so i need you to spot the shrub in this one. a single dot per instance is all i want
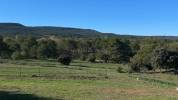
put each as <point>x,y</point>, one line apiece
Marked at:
<point>16,55</point>
<point>105,57</point>
<point>120,70</point>
<point>134,68</point>
<point>138,66</point>
<point>83,57</point>
<point>92,58</point>
<point>135,65</point>
<point>65,59</point>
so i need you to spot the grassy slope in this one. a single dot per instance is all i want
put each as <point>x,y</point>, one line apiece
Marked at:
<point>84,81</point>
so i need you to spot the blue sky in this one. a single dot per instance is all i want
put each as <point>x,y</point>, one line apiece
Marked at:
<point>138,17</point>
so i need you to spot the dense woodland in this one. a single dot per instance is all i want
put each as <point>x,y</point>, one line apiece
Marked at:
<point>142,54</point>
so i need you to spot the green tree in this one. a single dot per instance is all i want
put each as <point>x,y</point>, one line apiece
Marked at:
<point>47,49</point>
<point>120,52</point>
<point>4,49</point>
<point>65,58</point>
<point>165,59</point>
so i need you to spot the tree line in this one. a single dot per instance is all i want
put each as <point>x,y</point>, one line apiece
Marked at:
<point>142,54</point>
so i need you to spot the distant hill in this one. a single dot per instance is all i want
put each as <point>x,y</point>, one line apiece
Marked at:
<point>12,29</point>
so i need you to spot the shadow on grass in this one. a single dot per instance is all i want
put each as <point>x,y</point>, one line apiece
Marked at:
<point>5,95</point>
<point>80,65</point>
<point>172,71</point>
<point>48,65</point>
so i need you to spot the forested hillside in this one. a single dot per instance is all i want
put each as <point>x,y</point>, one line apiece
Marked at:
<point>12,29</point>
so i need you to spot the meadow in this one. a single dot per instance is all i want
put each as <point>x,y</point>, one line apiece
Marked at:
<point>49,80</point>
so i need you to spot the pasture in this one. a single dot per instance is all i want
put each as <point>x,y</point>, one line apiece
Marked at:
<point>49,80</point>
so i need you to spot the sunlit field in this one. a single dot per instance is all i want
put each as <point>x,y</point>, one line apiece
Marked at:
<point>49,80</point>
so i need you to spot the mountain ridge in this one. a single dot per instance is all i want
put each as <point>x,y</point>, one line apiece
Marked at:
<point>13,29</point>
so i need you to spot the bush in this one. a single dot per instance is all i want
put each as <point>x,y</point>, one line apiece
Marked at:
<point>65,59</point>
<point>16,55</point>
<point>135,65</point>
<point>105,57</point>
<point>83,57</point>
<point>92,58</point>
<point>134,68</point>
<point>120,70</point>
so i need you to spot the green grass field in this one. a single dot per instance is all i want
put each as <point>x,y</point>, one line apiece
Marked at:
<point>48,80</point>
